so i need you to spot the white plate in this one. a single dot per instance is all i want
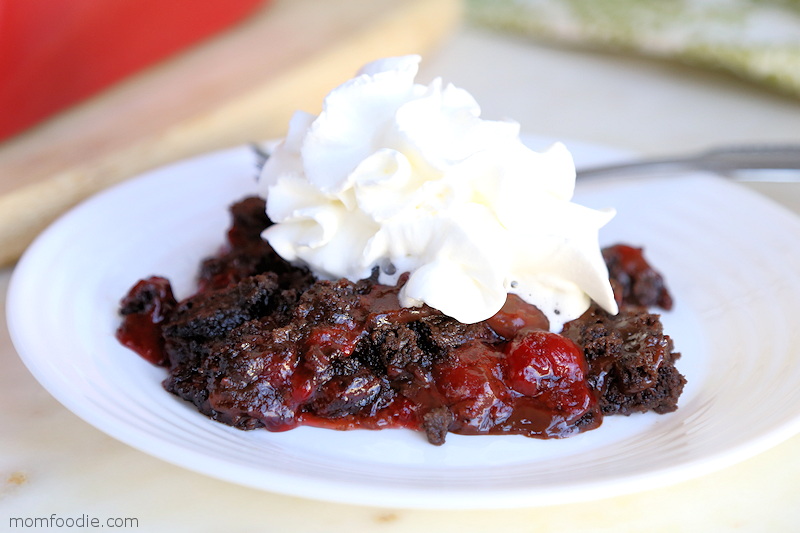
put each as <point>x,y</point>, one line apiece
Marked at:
<point>731,259</point>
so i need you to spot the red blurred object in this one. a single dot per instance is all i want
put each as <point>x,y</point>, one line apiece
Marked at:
<point>54,53</point>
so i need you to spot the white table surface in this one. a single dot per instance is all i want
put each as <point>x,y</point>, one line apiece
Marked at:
<point>53,462</point>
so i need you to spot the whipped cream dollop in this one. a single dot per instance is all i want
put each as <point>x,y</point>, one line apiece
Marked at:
<point>409,179</point>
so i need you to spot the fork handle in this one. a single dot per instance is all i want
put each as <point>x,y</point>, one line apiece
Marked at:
<point>720,160</point>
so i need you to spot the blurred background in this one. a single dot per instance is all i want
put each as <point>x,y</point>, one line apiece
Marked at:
<point>94,92</point>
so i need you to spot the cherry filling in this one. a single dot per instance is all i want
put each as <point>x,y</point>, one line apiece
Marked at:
<point>262,344</point>
<point>145,308</point>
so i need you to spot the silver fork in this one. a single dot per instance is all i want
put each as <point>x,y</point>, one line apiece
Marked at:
<point>775,162</point>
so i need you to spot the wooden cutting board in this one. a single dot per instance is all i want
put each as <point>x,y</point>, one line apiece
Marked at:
<point>239,87</point>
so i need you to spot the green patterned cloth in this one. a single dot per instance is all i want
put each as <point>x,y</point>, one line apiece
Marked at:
<point>755,39</point>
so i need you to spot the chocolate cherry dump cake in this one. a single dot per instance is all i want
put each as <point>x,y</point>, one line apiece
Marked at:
<point>264,344</point>
<point>407,264</point>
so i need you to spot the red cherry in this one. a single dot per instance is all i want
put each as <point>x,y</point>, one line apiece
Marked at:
<point>549,367</point>
<point>517,316</point>
<point>470,384</point>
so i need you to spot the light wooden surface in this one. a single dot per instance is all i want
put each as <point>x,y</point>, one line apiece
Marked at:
<point>239,87</point>
<point>52,462</point>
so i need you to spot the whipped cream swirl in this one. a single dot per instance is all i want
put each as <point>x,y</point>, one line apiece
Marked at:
<point>409,179</point>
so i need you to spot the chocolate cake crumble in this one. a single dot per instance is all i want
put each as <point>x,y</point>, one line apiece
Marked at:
<point>263,344</point>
